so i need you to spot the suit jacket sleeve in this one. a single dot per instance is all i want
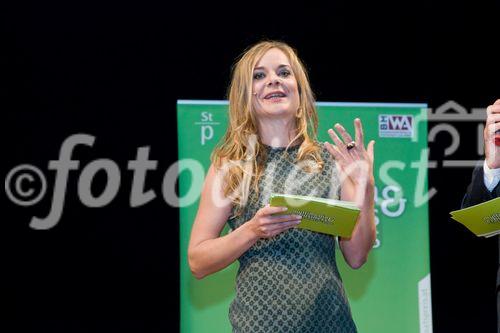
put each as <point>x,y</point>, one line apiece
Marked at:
<point>477,191</point>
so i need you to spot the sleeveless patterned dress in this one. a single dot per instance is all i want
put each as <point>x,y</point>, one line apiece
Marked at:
<point>290,283</point>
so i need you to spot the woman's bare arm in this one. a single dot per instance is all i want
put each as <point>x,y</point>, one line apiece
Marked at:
<point>208,252</point>
<point>356,248</point>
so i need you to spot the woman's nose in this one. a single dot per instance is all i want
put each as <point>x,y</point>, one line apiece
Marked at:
<point>274,81</point>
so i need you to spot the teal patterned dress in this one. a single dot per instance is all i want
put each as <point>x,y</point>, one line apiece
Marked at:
<point>290,283</point>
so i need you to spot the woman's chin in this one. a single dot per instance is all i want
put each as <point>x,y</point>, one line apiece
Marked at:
<point>278,112</point>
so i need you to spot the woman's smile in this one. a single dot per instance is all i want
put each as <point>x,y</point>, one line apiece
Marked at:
<point>275,96</point>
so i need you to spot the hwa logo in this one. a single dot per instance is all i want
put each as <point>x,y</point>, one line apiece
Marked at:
<point>395,126</point>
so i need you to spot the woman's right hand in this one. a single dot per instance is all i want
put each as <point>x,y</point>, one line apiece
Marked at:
<point>266,225</point>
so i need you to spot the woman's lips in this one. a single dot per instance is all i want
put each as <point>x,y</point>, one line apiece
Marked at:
<point>275,99</point>
<point>275,94</point>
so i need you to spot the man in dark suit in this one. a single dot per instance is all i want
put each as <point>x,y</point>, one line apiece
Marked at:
<point>485,177</point>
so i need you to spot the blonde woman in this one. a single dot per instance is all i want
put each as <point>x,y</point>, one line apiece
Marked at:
<point>288,279</point>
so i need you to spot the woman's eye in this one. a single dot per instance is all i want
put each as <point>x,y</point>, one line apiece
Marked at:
<point>258,75</point>
<point>285,73</point>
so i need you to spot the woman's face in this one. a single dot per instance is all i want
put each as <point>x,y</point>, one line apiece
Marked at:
<point>274,88</point>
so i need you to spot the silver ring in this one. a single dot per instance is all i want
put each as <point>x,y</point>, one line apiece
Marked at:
<point>351,145</point>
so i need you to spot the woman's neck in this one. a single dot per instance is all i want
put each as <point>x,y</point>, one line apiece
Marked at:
<point>277,132</point>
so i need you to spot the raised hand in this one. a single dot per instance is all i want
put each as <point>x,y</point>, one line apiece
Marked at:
<point>353,159</point>
<point>491,130</point>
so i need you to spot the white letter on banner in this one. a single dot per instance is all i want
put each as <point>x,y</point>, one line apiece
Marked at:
<point>389,201</point>
<point>425,304</point>
<point>207,133</point>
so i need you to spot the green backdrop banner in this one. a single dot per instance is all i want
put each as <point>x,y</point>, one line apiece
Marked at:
<point>391,292</point>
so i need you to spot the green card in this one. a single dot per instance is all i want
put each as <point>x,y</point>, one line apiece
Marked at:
<point>328,216</point>
<point>482,219</point>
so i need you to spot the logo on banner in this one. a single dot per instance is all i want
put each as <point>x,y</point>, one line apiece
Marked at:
<point>206,127</point>
<point>395,126</point>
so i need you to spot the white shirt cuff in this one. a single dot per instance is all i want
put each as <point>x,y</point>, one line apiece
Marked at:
<point>491,177</point>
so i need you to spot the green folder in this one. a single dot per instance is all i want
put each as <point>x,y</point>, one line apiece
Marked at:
<point>329,216</point>
<point>482,219</point>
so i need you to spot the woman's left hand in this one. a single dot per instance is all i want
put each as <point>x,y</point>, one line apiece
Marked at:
<point>353,159</point>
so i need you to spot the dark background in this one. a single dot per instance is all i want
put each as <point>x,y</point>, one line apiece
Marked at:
<point>115,71</point>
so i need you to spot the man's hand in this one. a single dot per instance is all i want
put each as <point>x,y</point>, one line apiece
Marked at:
<point>490,131</point>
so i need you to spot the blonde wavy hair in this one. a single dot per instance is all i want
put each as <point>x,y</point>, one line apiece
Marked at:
<point>240,154</point>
